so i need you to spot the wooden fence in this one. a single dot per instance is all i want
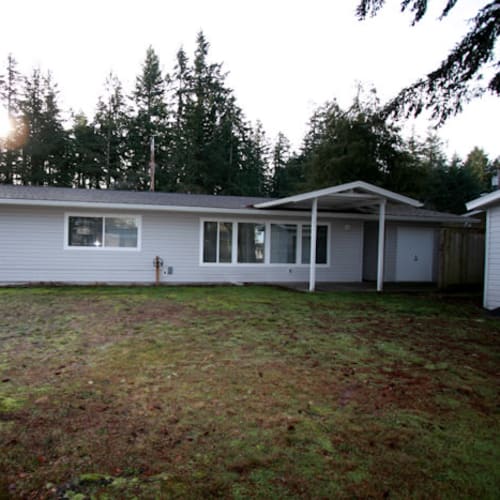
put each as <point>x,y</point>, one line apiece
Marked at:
<point>461,257</point>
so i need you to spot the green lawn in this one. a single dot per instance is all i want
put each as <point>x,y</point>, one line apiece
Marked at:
<point>241,392</point>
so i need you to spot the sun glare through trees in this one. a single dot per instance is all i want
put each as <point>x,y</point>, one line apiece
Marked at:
<point>5,124</point>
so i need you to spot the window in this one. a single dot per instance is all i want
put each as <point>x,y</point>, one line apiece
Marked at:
<point>217,241</point>
<point>120,232</point>
<point>269,243</point>
<point>321,244</point>
<point>85,232</point>
<point>251,240</point>
<point>103,232</point>
<point>283,243</point>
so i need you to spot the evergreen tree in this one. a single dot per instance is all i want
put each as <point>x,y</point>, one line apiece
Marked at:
<point>444,185</point>
<point>451,186</point>
<point>460,76</point>
<point>54,137</point>
<point>110,126</point>
<point>179,86</point>
<point>478,164</point>
<point>253,173</point>
<point>343,146</point>
<point>85,154</point>
<point>150,121</point>
<point>279,185</point>
<point>10,90</point>
<point>44,145</point>
<point>209,123</point>
<point>32,170</point>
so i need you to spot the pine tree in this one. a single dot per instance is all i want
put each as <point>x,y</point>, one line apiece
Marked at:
<point>83,154</point>
<point>110,125</point>
<point>280,158</point>
<point>357,144</point>
<point>32,170</point>
<point>10,90</point>
<point>462,76</point>
<point>54,137</point>
<point>215,149</point>
<point>44,147</point>
<point>478,163</point>
<point>150,121</point>
<point>209,120</point>
<point>253,172</point>
<point>179,94</point>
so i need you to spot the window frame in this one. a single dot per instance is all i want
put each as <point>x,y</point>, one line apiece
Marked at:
<point>217,241</point>
<point>103,247</point>
<point>267,242</point>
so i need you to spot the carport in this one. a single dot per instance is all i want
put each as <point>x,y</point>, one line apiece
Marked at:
<point>358,197</point>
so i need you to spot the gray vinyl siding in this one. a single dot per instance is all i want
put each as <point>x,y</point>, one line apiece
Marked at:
<point>492,274</point>
<point>371,252</point>
<point>32,249</point>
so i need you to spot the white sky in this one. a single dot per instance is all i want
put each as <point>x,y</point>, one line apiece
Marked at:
<point>284,57</point>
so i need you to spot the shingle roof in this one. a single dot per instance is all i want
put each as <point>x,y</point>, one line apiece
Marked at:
<point>32,194</point>
<point>37,193</point>
<point>422,213</point>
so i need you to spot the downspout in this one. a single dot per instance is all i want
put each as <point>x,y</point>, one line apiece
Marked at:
<point>314,230</point>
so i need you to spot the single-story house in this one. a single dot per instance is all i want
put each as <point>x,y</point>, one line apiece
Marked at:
<point>491,204</point>
<point>351,233</point>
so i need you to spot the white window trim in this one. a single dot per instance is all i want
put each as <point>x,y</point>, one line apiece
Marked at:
<point>67,246</point>
<point>267,243</point>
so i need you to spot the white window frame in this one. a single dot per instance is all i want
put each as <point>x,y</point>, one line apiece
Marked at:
<point>217,242</point>
<point>267,242</point>
<point>102,248</point>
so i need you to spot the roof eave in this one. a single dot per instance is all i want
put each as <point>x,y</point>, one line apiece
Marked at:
<point>226,211</point>
<point>483,202</point>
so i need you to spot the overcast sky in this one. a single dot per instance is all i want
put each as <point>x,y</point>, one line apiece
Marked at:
<point>284,57</point>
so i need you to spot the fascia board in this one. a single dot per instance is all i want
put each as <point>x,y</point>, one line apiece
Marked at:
<point>483,201</point>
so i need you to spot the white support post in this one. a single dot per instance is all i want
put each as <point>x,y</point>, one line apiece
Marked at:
<point>314,230</point>
<point>381,246</point>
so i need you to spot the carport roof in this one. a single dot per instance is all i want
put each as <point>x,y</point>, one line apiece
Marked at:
<point>485,201</point>
<point>356,194</point>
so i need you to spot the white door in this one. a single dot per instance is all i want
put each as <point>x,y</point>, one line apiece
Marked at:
<point>414,254</point>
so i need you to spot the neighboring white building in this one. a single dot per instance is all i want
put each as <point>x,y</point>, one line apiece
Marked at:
<point>353,232</point>
<point>491,204</point>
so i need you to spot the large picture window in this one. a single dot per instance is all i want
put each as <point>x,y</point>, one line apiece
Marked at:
<point>251,241</point>
<point>103,232</point>
<point>321,244</point>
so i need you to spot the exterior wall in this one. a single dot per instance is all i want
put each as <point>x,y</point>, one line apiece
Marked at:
<point>32,249</point>
<point>492,259</point>
<point>370,251</point>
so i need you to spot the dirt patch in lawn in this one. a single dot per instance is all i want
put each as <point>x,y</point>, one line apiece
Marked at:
<point>245,392</point>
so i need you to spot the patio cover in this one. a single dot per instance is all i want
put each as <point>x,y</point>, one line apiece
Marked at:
<point>356,195</point>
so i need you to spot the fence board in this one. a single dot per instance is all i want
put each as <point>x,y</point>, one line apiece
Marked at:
<point>461,257</point>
